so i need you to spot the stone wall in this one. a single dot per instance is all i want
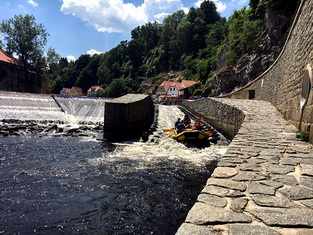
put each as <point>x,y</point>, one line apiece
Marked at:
<point>127,116</point>
<point>225,118</point>
<point>284,82</point>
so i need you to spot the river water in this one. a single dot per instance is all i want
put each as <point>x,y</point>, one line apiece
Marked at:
<point>82,185</point>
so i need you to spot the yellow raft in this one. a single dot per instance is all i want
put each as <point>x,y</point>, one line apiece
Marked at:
<point>190,134</point>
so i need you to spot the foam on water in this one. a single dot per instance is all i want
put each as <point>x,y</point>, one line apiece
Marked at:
<point>161,146</point>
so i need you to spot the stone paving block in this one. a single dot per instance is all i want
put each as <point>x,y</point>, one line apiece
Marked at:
<point>285,179</point>
<point>271,183</point>
<point>187,229</point>
<point>251,230</point>
<point>280,169</point>
<point>307,169</point>
<point>224,172</point>
<point>297,193</point>
<point>284,217</point>
<point>308,203</point>
<point>250,167</point>
<point>257,188</point>
<point>289,161</point>
<point>213,190</point>
<point>257,160</point>
<point>307,181</point>
<point>304,232</point>
<point>201,213</point>
<point>227,183</point>
<point>249,176</point>
<point>271,201</point>
<point>297,155</point>
<point>238,204</point>
<point>212,200</point>
<point>236,193</point>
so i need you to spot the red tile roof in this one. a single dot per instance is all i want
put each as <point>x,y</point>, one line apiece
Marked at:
<point>5,57</point>
<point>188,83</point>
<point>168,84</point>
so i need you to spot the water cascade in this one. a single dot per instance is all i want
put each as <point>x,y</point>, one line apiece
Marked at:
<point>29,107</point>
<point>83,109</point>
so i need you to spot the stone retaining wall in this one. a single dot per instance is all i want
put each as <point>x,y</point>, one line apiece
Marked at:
<point>127,116</point>
<point>225,118</point>
<point>282,83</point>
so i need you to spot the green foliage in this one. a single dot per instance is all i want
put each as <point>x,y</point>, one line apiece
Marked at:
<point>230,58</point>
<point>304,136</point>
<point>197,92</point>
<point>117,88</point>
<point>243,30</point>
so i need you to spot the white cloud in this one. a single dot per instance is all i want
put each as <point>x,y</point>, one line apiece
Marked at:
<point>117,16</point>
<point>220,6</point>
<point>20,6</point>
<point>93,52</point>
<point>70,58</point>
<point>239,2</point>
<point>33,3</point>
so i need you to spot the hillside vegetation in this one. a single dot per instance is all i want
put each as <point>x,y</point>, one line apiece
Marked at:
<point>201,45</point>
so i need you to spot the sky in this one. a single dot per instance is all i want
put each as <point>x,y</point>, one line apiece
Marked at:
<point>78,27</point>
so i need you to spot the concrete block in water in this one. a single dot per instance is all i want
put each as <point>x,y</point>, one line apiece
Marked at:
<point>127,116</point>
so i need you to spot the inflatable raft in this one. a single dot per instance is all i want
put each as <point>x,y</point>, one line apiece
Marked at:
<point>191,135</point>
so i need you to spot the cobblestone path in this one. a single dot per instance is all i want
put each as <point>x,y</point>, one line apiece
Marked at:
<point>263,184</point>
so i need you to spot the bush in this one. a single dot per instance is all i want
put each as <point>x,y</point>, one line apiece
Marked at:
<point>304,136</point>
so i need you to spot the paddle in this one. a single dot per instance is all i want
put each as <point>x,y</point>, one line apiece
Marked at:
<point>168,130</point>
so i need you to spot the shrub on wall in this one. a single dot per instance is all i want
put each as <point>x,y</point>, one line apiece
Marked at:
<point>304,136</point>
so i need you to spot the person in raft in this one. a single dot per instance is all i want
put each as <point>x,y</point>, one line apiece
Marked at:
<point>186,121</point>
<point>197,125</point>
<point>177,122</point>
<point>180,127</point>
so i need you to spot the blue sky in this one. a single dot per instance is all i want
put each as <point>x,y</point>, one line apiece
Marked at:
<point>78,27</point>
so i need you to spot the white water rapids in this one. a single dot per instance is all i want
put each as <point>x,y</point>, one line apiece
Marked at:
<point>161,146</point>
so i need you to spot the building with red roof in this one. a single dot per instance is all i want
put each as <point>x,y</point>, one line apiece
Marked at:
<point>169,89</point>
<point>12,76</point>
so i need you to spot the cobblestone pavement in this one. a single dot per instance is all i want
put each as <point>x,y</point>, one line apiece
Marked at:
<point>263,184</point>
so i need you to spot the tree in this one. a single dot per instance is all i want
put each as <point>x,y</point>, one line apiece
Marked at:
<point>26,39</point>
<point>52,58</point>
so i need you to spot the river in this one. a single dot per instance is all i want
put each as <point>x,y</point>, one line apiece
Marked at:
<point>51,184</point>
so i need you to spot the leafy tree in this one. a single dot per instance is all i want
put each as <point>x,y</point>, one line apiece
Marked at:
<point>52,58</point>
<point>25,38</point>
<point>117,88</point>
<point>243,30</point>
<point>88,75</point>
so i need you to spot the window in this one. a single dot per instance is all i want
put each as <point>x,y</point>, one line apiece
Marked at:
<point>251,94</point>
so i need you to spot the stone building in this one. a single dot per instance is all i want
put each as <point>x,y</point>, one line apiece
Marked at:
<point>12,76</point>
